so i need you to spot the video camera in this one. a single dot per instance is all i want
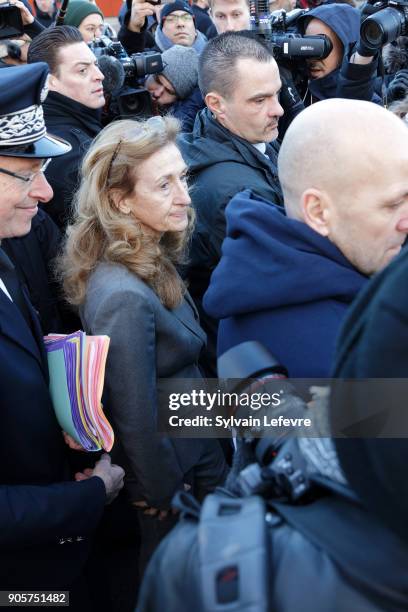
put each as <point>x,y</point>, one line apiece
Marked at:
<point>124,77</point>
<point>387,19</point>
<point>11,24</point>
<point>279,30</point>
<point>282,466</point>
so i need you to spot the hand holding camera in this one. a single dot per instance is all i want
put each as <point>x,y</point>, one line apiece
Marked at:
<point>139,11</point>
<point>26,16</point>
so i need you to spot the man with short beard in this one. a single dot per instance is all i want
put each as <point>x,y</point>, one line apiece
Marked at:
<point>232,147</point>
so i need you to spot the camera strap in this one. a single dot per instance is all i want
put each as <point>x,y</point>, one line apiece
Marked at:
<point>233,554</point>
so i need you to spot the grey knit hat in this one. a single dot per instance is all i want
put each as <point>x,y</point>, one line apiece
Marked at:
<point>181,69</point>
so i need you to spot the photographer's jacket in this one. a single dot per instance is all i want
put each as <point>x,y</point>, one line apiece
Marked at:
<point>79,125</point>
<point>330,555</point>
<point>281,283</point>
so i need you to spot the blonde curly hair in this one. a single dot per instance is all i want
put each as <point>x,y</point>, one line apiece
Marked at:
<point>101,232</point>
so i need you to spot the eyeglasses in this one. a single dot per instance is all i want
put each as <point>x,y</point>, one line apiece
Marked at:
<point>185,18</point>
<point>154,123</point>
<point>30,178</point>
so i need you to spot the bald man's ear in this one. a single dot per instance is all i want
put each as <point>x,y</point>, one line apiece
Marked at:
<point>316,210</point>
<point>215,102</point>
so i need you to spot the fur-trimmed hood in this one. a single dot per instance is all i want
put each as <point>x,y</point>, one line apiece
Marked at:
<point>395,55</point>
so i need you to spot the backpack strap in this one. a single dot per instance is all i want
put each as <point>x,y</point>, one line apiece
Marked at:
<point>233,554</point>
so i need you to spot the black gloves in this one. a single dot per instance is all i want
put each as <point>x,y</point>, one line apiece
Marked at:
<point>398,88</point>
<point>365,50</point>
<point>290,99</point>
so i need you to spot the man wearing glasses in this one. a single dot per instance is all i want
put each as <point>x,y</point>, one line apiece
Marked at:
<point>177,27</point>
<point>46,516</point>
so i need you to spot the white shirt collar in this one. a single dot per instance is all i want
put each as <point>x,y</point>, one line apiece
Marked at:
<point>261,146</point>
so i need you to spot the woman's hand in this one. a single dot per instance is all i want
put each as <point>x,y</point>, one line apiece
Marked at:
<point>151,511</point>
<point>73,444</point>
<point>160,514</point>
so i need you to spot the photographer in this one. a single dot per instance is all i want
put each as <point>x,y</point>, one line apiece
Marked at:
<point>329,550</point>
<point>349,70</point>
<point>175,89</point>
<point>72,107</point>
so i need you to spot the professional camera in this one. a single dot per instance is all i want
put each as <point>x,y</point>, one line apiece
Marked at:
<point>124,77</point>
<point>387,20</point>
<point>11,25</point>
<point>279,31</point>
<point>283,465</point>
<point>136,66</point>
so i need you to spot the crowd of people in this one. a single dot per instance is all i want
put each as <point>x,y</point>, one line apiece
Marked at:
<point>252,199</point>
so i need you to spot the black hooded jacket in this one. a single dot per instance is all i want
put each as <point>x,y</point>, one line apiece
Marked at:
<point>79,125</point>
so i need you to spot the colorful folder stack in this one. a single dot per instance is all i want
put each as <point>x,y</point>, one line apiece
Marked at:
<point>76,364</point>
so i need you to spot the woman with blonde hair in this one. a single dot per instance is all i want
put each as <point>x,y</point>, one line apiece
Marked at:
<point>133,220</point>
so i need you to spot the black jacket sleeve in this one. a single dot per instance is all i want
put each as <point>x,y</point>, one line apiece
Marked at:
<point>357,81</point>
<point>34,29</point>
<point>37,515</point>
<point>134,42</point>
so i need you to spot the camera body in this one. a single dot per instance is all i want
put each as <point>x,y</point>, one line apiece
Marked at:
<point>286,41</point>
<point>387,20</point>
<point>131,98</point>
<point>11,24</point>
<point>279,31</point>
<point>136,66</point>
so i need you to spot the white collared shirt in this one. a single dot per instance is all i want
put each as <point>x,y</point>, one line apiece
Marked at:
<point>4,288</point>
<point>261,146</point>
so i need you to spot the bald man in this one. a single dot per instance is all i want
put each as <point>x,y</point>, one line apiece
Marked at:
<point>287,281</point>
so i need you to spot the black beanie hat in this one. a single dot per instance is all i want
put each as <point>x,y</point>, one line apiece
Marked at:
<point>178,5</point>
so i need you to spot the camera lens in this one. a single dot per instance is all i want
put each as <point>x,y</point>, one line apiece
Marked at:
<point>382,27</point>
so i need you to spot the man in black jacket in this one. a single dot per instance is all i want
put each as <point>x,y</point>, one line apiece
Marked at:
<point>72,108</point>
<point>46,517</point>
<point>232,147</point>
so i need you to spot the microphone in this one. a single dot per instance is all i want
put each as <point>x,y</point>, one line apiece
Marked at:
<point>113,72</point>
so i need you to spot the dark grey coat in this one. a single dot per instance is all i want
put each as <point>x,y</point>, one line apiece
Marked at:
<point>148,342</point>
